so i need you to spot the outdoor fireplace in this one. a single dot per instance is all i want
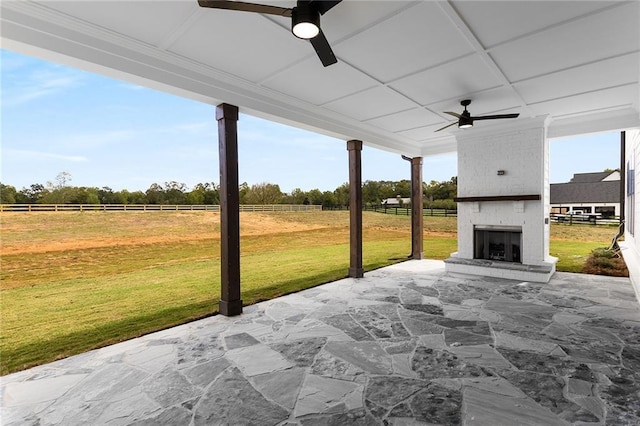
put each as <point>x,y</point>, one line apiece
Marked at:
<point>495,243</point>
<point>503,202</point>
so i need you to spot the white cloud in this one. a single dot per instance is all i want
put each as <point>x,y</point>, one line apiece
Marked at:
<point>28,154</point>
<point>21,86</point>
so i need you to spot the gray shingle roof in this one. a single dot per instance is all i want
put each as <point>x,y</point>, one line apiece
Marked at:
<point>589,177</point>
<point>593,192</point>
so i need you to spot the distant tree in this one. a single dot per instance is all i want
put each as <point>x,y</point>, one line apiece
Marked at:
<point>264,193</point>
<point>329,199</point>
<point>297,196</point>
<point>175,193</point>
<point>205,193</point>
<point>315,197</point>
<point>342,194</point>
<point>243,192</point>
<point>33,194</point>
<point>155,194</point>
<point>7,194</point>
<point>62,179</point>
<point>106,195</point>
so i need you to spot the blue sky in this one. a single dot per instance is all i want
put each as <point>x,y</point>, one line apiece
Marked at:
<point>106,132</point>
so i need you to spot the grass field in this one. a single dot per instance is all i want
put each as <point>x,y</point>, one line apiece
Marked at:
<point>71,282</point>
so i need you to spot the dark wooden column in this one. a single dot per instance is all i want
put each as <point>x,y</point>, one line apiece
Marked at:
<point>230,302</point>
<point>417,250</point>
<point>355,208</point>
<point>623,176</point>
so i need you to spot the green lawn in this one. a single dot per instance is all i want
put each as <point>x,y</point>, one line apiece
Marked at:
<point>71,282</point>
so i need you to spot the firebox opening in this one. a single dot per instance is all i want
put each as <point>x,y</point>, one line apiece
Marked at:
<point>502,244</point>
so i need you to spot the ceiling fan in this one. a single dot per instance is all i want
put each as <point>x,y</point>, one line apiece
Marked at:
<point>465,120</point>
<point>305,20</point>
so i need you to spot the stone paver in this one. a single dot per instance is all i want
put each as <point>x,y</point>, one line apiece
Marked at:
<point>405,345</point>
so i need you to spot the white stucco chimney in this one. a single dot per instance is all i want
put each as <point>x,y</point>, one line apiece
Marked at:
<point>503,191</point>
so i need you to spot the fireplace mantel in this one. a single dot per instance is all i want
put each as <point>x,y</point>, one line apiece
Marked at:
<point>498,198</point>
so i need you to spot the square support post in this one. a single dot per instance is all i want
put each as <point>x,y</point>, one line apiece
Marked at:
<point>230,302</point>
<point>355,208</point>
<point>417,250</point>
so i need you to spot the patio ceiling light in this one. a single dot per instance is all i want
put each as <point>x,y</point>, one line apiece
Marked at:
<point>305,23</point>
<point>465,120</point>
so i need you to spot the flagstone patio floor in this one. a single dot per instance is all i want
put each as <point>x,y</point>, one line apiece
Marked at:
<point>405,345</point>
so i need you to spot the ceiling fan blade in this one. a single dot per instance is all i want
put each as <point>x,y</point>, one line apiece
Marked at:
<point>495,117</point>
<point>455,114</point>
<point>245,7</point>
<point>447,126</point>
<point>323,49</point>
<point>323,6</point>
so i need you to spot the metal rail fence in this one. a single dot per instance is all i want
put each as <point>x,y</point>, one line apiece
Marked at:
<point>151,208</point>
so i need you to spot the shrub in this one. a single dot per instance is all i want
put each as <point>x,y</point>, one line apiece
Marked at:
<point>603,261</point>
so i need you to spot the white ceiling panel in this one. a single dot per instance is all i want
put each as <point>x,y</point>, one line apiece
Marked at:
<point>252,46</point>
<point>454,79</point>
<point>616,98</point>
<point>318,85</point>
<point>494,22</point>
<point>603,35</point>
<point>618,71</point>
<point>371,103</point>
<point>400,63</point>
<point>147,21</point>
<point>405,43</point>
<point>404,120</point>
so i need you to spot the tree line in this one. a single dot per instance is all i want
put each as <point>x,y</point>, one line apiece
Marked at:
<point>436,194</point>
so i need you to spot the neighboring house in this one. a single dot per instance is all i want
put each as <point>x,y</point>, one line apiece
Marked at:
<point>396,202</point>
<point>588,193</point>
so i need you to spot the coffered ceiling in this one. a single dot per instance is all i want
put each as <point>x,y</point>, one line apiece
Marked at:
<point>400,63</point>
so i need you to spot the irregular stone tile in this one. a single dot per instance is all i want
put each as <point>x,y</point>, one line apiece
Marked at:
<point>454,337</point>
<point>593,352</point>
<point>320,395</point>
<point>354,417</point>
<point>495,385</point>
<point>613,312</point>
<point>389,310</point>
<point>368,356</point>
<point>457,293</point>
<point>487,408</point>
<point>168,388</point>
<point>170,416</point>
<point>592,404</point>
<point>401,364</point>
<point>423,290</point>
<point>557,331</point>
<point>193,352</point>
<point>153,358</point>
<point>419,327</point>
<point>327,365</point>
<point>377,325</point>
<point>400,346</point>
<point>300,352</point>
<point>508,341</point>
<point>279,310</point>
<point>508,305</point>
<point>375,410</point>
<point>476,327</point>
<point>349,326</point>
<point>433,341</point>
<point>281,387</point>
<point>622,398</point>
<point>458,312</point>
<point>410,296</point>
<point>482,355</point>
<point>631,357</point>
<point>544,363</point>
<point>428,309</point>
<point>240,340</point>
<point>547,391</point>
<point>597,333</point>
<point>432,364</point>
<point>568,319</point>
<point>135,406</point>
<point>388,391</point>
<point>437,405</point>
<point>579,387</point>
<point>205,373</point>
<point>258,359</point>
<point>563,301</point>
<point>624,330</point>
<point>37,391</point>
<point>219,405</point>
